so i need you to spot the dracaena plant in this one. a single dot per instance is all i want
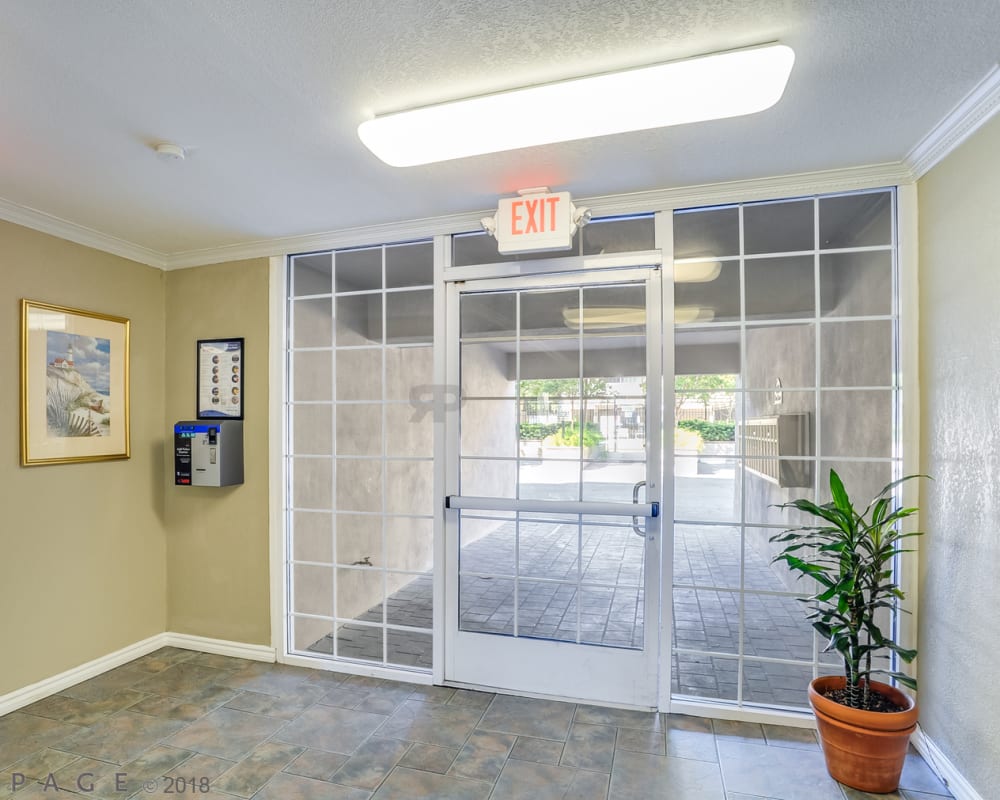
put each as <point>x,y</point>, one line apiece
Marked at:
<point>850,554</point>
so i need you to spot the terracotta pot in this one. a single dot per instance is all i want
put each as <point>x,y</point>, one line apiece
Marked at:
<point>863,749</point>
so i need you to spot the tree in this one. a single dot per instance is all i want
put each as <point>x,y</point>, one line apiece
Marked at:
<point>563,387</point>
<point>700,387</point>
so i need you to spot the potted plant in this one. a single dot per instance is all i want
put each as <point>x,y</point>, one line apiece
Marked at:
<point>864,725</point>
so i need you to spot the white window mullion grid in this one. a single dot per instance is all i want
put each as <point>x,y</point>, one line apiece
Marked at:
<point>741,461</point>
<point>334,516</point>
<point>384,451</point>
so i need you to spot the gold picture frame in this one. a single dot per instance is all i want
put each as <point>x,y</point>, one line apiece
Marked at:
<point>74,385</point>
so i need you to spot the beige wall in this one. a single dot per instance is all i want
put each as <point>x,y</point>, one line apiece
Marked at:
<point>82,546</point>
<point>217,539</point>
<point>959,627</point>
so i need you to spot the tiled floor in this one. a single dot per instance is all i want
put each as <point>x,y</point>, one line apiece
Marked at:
<point>177,722</point>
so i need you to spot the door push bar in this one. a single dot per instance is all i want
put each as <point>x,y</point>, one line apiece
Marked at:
<point>634,510</point>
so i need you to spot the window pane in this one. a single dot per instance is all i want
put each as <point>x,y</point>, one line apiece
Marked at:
<point>855,220</point>
<point>312,483</point>
<point>489,428</point>
<point>358,270</point>
<point>409,487</point>
<point>856,353</point>
<point>486,604</point>
<point>780,355</point>
<point>312,537</point>
<point>717,300</point>
<point>409,317</point>
<point>359,540</point>
<point>359,485</point>
<point>856,284</point>
<point>312,428</point>
<point>359,319</point>
<point>780,288</point>
<point>409,375</point>
<point>703,234</point>
<point>312,375</point>
<point>312,323</point>
<point>359,374</point>
<point>409,265</point>
<point>359,429</point>
<point>311,274</point>
<point>618,236</point>
<point>550,313</point>
<point>784,227</point>
<point>857,424</point>
<point>488,315</point>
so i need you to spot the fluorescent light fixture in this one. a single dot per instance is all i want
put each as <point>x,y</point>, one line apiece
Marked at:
<point>696,271</point>
<point>686,314</point>
<point>716,86</point>
<point>601,318</point>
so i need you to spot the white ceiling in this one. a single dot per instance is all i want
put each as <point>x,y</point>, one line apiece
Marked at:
<point>267,96</point>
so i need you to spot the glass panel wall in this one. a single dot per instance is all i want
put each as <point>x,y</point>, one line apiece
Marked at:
<point>360,455</point>
<point>785,362</point>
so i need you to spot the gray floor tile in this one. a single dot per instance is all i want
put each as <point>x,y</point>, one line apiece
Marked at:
<point>590,747</point>
<point>429,757</point>
<point>411,784</point>
<point>639,776</point>
<point>183,680</point>
<point>541,751</point>
<point>294,787</point>
<point>158,705</point>
<point>371,763</point>
<point>226,733</point>
<point>690,737</point>
<point>757,769</point>
<point>619,717</point>
<point>638,741</point>
<point>120,738</point>
<point>318,764</point>
<point>22,734</point>
<point>338,730</point>
<point>784,736</point>
<point>522,716</point>
<point>919,777</point>
<point>588,786</point>
<point>245,778</point>
<point>284,706</point>
<point>139,774</point>
<point>431,723</point>
<point>483,756</point>
<point>524,779</point>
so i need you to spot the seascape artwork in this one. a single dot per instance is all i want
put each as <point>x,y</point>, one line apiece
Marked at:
<point>78,372</point>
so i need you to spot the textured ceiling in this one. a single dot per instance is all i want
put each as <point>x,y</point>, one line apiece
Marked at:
<point>267,94</point>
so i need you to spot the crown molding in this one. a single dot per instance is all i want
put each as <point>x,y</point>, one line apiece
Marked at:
<point>79,234</point>
<point>806,183</point>
<point>974,110</point>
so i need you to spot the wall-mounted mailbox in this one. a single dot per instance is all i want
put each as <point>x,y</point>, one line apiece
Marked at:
<point>208,453</point>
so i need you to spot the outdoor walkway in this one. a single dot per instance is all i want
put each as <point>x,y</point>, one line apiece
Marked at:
<point>605,606</point>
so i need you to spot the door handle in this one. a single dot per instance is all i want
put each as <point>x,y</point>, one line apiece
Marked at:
<point>635,501</point>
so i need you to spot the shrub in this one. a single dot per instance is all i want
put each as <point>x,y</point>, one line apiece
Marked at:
<point>710,431</point>
<point>569,436</point>
<point>538,430</point>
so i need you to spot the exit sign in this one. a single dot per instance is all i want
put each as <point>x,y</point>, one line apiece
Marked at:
<point>534,222</point>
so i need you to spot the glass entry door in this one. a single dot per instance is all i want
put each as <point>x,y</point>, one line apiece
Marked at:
<point>553,527</point>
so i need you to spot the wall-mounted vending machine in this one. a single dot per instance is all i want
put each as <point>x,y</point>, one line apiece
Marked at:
<point>208,453</point>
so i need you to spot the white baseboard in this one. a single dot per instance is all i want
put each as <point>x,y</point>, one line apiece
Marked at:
<point>941,764</point>
<point>220,647</point>
<point>49,686</point>
<point>43,688</point>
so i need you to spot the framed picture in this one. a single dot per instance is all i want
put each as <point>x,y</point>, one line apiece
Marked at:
<point>221,379</point>
<point>74,385</point>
